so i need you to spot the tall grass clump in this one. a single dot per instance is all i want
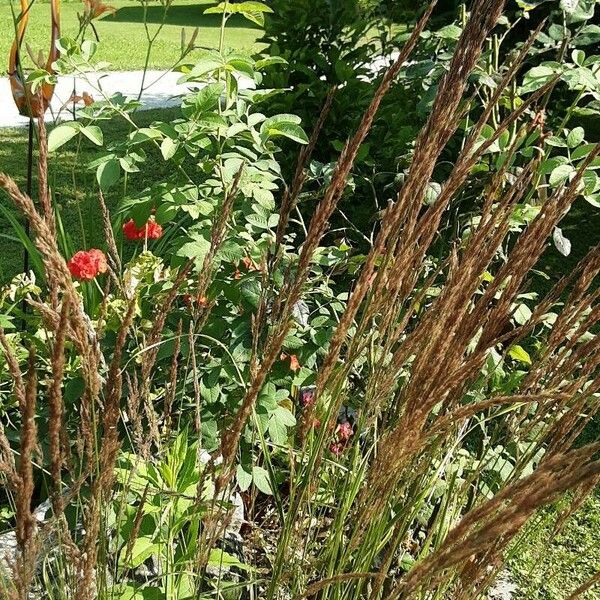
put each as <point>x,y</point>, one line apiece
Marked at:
<point>388,435</point>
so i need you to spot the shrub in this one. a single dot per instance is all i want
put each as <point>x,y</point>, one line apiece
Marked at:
<point>393,418</point>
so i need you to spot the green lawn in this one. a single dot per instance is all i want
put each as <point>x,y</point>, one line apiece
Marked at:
<point>549,568</point>
<point>122,36</point>
<point>74,188</point>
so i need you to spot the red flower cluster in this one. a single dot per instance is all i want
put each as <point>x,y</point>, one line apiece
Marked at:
<point>150,230</point>
<point>86,264</point>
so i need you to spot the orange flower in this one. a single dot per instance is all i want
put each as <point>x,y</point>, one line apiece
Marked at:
<point>95,8</point>
<point>86,98</point>
<point>294,364</point>
<point>250,264</point>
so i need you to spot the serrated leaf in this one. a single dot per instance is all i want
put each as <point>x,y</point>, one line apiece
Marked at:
<point>250,290</point>
<point>196,249</point>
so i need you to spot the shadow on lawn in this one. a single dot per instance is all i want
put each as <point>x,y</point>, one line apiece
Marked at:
<point>188,15</point>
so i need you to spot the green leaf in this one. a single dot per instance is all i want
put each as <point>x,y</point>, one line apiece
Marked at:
<point>575,137</point>
<point>143,548</point>
<point>591,182</point>
<point>449,32</point>
<point>94,134</point>
<point>277,431</point>
<point>560,175</point>
<point>260,477</point>
<point>220,558</point>
<point>582,151</point>
<point>241,7</point>
<point>270,60</point>
<point>589,34</point>
<point>208,97</point>
<point>250,290</point>
<point>168,148</point>
<point>62,134</point>
<point>244,479</point>
<point>522,314</point>
<point>520,354</point>
<point>284,125</point>
<point>108,173</point>
<point>196,249</point>
<point>579,78</point>
<point>285,416</point>
<point>535,78</point>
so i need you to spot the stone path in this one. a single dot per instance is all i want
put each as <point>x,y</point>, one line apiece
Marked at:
<point>161,90</point>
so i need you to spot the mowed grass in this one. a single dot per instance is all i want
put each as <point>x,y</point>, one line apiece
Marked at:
<point>123,39</point>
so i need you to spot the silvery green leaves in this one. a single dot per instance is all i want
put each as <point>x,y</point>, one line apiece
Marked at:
<point>581,75</point>
<point>569,148</point>
<point>577,11</point>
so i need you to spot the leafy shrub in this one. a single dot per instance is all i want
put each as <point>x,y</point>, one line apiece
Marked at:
<point>393,418</point>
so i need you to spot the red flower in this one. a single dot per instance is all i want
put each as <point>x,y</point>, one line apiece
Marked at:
<point>345,431</point>
<point>336,448</point>
<point>85,265</point>
<point>150,230</point>
<point>308,398</point>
